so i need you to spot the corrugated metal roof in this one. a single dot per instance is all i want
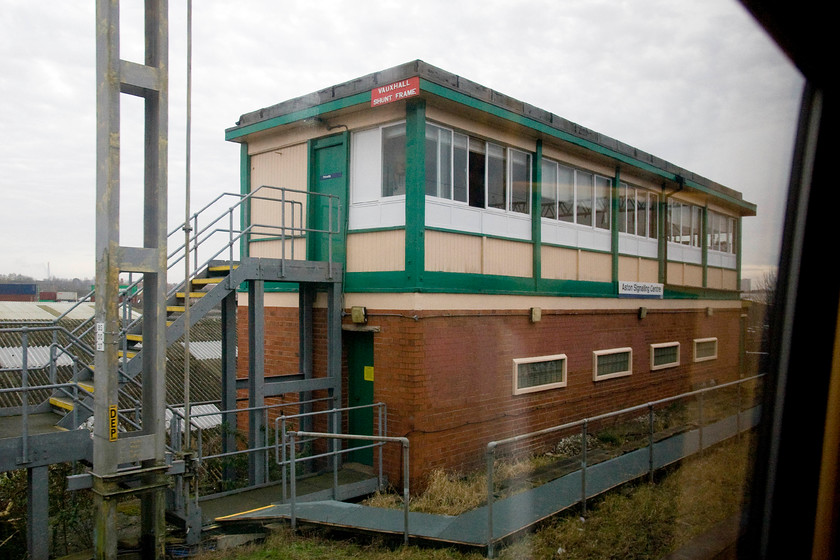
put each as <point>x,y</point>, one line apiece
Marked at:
<point>44,311</point>
<point>205,349</point>
<point>36,357</point>
<point>202,416</point>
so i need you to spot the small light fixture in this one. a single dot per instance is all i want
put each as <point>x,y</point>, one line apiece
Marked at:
<point>358,315</point>
<point>709,312</point>
<point>536,314</point>
<point>642,312</point>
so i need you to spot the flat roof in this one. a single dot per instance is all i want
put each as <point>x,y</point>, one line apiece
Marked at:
<point>444,84</point>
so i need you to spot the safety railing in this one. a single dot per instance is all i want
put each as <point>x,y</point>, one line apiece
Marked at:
<point>403,441</point>
<point>584,426</point>
<point>283,451</point>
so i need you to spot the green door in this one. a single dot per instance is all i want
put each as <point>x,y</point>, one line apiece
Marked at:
<point>360,391</point>
<point>327,205</point>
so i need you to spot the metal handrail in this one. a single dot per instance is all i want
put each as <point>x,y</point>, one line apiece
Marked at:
<point>583,424</point>
<point>384,439</point>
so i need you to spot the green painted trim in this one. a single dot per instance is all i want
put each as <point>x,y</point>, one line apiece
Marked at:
<point>415,190</point>
<point>375,229</point>
<point>245,189</point>
<point>464,99</point>
<point>661,238</point>
<point>341,139</point>
<point>536,214</point>
<point>738,250</point>
<point>704,245</point>
<point>242,131</point>
<point>614,203</point>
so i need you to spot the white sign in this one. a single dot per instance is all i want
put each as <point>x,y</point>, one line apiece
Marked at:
<point>100,337</point>
<point>641,290</point>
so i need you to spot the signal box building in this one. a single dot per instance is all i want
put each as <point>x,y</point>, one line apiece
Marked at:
<point>505,270</point>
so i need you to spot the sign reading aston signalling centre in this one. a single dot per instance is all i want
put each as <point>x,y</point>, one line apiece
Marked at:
<point>395,92</point>
<point>649,290</point>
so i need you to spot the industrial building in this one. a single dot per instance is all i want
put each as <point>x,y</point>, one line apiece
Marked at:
<point>504,269</point>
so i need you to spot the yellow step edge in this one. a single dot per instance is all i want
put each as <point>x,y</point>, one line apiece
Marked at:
<point>134,337</point>
<point>222,268</point>
<point>192,294</point>
<point>127,354</point>
<point>215,280</point>
<point>174,308</point>
<point>61,403</point>
<point>86,386</point>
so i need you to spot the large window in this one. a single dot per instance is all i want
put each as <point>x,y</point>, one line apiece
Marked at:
<point>480,173</point>
<point>637,212</point>
<point>575,196</point>
<point>539,373</point>
<point>721,234</point>
<point>685,224</point>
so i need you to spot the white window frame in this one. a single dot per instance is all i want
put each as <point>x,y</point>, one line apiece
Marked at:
<point>537,388</point>
<point>655,347</point>
<point>608,352</point>
<point>698,341</point>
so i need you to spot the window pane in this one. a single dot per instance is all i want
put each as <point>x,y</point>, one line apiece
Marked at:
<point>548,204</point>
<point>641,213</point>
<point>685,224</point>
<point>520,178</point>
<point>602,202</point>
<point>623,190</point>
<point>393,160</point>
<point>496,171</point>
<point>533,374</point>
<point>459,167</point>
<point>432,160</point>
<point>565,194</point>
<point>584,188</point>
<point>696,225</point>
<point>653,215</point>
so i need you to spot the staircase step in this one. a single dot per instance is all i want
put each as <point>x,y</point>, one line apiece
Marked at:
<point>134,337</point>
<point>174,308</point>
<point>61,402</point>
<point>222,268</point>
<point>86,386</point>
<point>182,295</point>
<point>205,281</point>
<point>128,354</point>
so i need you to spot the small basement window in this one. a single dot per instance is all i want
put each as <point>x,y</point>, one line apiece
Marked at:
<point>664,355</point>
<point>615,362</point>
<point>539,373</point>
<point>705,349</point>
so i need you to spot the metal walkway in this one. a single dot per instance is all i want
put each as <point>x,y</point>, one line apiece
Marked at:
<point>510,515</point>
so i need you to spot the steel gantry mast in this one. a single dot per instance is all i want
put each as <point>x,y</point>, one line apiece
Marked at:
<point>131,462</point>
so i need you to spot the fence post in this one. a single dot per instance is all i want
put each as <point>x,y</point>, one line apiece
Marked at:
<point>406,496</point>
<point>583,467</point>
<point>490,457</point>
<point>650,456</point>
<point>292,482</point>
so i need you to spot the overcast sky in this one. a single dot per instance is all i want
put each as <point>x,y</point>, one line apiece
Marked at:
<point>694,82</point>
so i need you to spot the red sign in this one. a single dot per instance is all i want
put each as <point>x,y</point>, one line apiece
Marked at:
<point>395,92</point>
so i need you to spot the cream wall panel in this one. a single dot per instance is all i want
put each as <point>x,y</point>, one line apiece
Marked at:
<point>575,160</point>
<point>452,252</point>
<point>676,273</point>
<point>628,269</point>
<point>648,270</point>
<point>693,275</point>
<point>284,168</point>
<point>558,263</point>
<point>295,249</point>
<point>376,251</point>
<point>507,258</point>
<point>729,280</point>
<point>596,267</point>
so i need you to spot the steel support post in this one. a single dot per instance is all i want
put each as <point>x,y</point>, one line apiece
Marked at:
<point>256,380</point>
<point>306,301</point>
<point>145,447</point>
<point>229,378</point>
<point>37,512</point>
